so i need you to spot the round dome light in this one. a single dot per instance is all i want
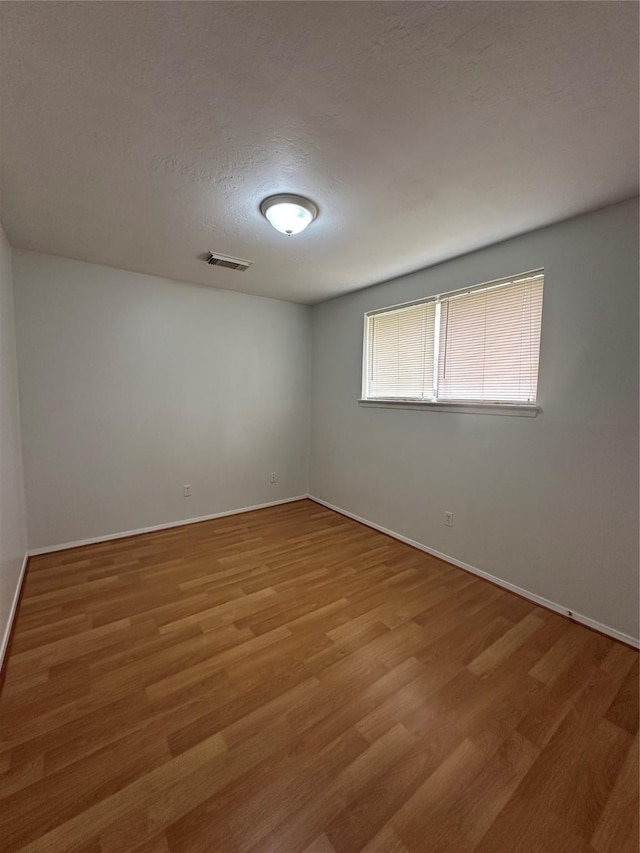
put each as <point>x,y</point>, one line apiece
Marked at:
<point>289,214</point>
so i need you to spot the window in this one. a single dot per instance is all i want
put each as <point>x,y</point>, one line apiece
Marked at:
<point>478,346</point>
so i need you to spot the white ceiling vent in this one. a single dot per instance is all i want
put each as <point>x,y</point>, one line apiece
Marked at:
<point>218,260</point>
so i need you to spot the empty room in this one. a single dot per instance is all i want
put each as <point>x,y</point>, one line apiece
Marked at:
<point>319,448</point>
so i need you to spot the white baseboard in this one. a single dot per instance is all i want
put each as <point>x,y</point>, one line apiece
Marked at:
<point>12,612</point>
<point>34,552</point>
<point>537,599</point>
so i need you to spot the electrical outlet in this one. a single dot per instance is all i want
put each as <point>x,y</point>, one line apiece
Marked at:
<point>273,478</point>
<point>448,519</point>
<point>187,491</point>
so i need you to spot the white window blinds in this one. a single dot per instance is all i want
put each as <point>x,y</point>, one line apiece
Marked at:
<point>480,345</point>
<point>400,353</point>
<point>490,343</point>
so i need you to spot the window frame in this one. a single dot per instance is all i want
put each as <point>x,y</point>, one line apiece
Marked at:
<point>521,409</point>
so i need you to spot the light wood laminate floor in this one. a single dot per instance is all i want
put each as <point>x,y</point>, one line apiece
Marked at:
<point>290,680</point>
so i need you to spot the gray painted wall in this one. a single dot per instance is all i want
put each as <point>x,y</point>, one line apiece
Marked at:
<point>13,538</point>
<point>549,504</point>
<point>132,386</point>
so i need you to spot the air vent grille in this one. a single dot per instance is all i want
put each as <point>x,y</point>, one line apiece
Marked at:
<point>218,260</point>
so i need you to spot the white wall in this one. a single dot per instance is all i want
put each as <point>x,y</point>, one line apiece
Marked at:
<point>549,504</point>
<point>132,386</point>
<point>13,539</point>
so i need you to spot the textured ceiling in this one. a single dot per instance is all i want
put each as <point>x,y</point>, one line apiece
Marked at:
<point>140,135</point>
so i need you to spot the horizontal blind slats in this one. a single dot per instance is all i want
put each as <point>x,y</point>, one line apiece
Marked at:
<point>489,343</point>
<point>400,357</point>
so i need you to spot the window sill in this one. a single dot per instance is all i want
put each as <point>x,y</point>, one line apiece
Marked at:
<point>518,410</point>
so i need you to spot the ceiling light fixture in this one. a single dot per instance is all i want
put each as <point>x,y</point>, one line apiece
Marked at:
<point>289,214</point>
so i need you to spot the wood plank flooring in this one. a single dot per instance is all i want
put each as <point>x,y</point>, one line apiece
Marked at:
<point>290,680</point>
